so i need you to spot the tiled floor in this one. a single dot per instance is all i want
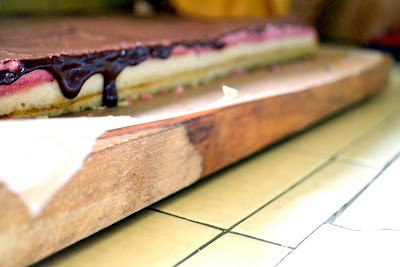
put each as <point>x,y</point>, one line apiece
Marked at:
<point>328,197</point>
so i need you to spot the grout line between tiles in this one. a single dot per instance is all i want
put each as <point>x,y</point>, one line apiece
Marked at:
<point>186,219</point>
<point>365,230</point>
<point>317,169</point>
<point>331,219</point>
<point>260,239</point>
<point>299,244</point>
<point>201,248</point>
<point>322,166</point>
<point>335,226</point>
<point>345,206</point>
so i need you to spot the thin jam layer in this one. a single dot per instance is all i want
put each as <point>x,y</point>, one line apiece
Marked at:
<point>26,81</point>
<point>72,71</point>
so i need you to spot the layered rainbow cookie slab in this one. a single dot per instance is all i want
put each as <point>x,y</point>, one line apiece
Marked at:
<point>50,67</point>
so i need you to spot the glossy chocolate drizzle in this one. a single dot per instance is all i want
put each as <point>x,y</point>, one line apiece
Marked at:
<point>71,72</point>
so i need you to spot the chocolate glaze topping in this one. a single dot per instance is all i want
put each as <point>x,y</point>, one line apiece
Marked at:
<point>72,50</point>
<point>71,72</point>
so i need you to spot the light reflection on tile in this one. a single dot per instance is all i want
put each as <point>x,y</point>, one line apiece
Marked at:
<point>378,206</point>
<point>378,146</point>
<point>293,216</point>
<point>334,246</point>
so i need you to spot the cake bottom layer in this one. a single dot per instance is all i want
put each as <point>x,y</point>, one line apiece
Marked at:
<point>153,76</point>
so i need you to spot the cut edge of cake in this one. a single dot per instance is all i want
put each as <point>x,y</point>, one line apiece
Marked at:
<point>157,74</point>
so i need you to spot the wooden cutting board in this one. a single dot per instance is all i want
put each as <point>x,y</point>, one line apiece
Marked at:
<point>167,144</point>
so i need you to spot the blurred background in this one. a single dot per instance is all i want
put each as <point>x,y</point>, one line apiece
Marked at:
<point>369,23</point>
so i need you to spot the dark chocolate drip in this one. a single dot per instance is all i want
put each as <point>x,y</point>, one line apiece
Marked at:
<point>71,72</point>
<point>161,52</point>
<point>7,77</point>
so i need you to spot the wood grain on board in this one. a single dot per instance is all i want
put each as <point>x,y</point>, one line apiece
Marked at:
<point>132,167</point>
